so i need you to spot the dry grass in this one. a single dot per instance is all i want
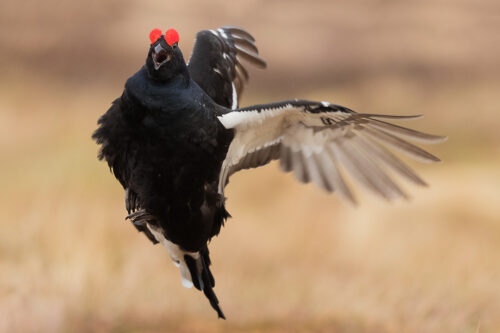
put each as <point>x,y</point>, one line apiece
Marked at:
<point>292,259</point>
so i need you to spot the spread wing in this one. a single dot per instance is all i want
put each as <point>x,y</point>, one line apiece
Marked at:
<point>320,141</point>
<point>215,64</point>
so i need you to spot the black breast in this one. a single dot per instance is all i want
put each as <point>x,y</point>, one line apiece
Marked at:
<point>177,146</point>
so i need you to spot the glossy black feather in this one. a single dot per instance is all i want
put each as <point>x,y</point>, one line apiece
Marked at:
<point>164,142</point>
<point>215,64</point>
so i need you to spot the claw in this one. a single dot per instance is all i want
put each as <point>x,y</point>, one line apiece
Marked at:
<point>136,214</point>
<point>127,200</point>
<point>140,217</point>
<point>131,202</point>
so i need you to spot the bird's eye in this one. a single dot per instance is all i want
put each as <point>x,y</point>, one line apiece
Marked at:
<point>154,35</point>
<point>172,37</point>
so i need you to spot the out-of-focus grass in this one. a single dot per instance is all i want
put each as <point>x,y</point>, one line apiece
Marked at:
<point>292,258</point>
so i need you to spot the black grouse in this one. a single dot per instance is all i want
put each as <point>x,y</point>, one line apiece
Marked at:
<point>176,134</point>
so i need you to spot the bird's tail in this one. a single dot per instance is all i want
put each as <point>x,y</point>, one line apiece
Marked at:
<point>194,267</point>
<point>202,277</point>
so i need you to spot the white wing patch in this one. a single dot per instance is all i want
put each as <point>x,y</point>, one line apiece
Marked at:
<point>235,97</point>
<point>249,118</point>
<point>217,71</point>
<point>222,33</point>
<point>317,139</point>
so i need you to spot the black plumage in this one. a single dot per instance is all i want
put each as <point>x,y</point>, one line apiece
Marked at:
<point>175,136</point>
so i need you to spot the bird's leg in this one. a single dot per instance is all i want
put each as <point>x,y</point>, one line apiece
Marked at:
<point>130,200</point>
<point>140,217</point>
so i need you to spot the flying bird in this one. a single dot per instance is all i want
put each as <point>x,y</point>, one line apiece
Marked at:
<point>176,135</point>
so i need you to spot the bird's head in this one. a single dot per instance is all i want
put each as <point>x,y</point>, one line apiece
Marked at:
<point>164,59</point>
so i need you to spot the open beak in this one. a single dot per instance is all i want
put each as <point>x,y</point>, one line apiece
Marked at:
<point>160,56</point>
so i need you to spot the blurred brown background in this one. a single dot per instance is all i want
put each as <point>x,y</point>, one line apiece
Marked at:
<point>292,258</point>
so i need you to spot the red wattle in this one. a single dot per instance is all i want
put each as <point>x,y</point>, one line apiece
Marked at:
<point>154,35</point>
<point>171,37</point>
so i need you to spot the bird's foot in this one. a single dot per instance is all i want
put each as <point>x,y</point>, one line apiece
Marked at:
<point>140,217</point>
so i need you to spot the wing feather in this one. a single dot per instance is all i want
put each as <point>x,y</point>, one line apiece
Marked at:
<point>286,163</point>
<point>216,63</point>
<point>384,156</point>
<point>404,132</point>
<point>238,31</point>
<point>246,43</point>
<point>315,140</point>
<point>299,168</point>
<point>403,146</point>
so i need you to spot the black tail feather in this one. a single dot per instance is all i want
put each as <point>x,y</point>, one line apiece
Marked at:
<point>206,270</point>
<point>204,280</point>
<point>193,270</point>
